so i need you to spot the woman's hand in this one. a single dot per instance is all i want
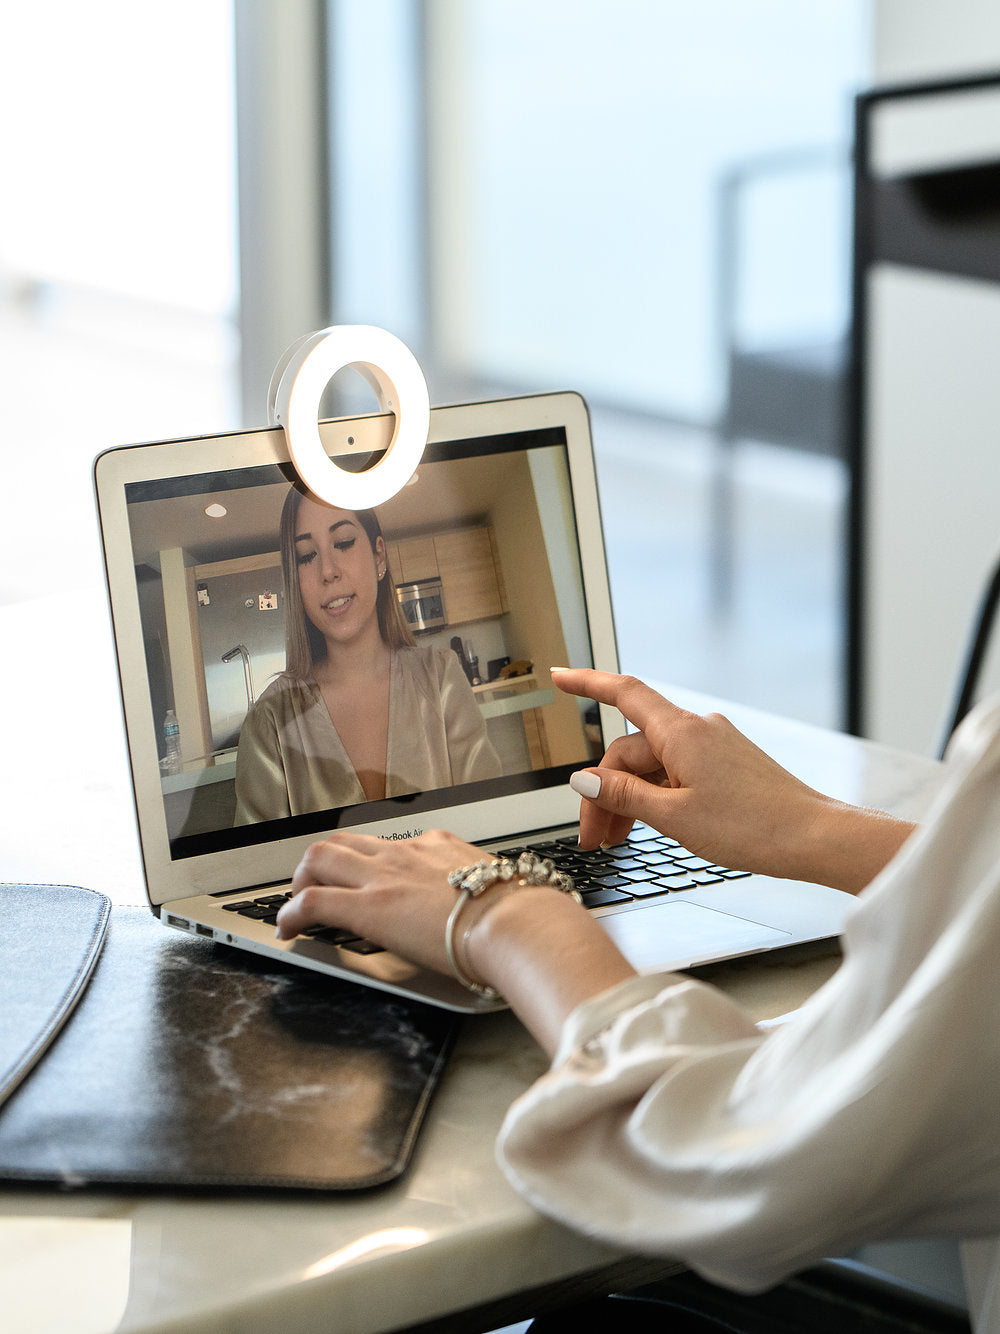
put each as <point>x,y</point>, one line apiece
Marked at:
<point>701,781</point>
<point>395,893</point>
<point>539,948</point>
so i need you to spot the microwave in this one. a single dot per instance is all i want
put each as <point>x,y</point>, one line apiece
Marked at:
<point>422,603</point>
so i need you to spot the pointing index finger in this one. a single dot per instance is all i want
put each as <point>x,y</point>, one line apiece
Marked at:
<point>635,700</point>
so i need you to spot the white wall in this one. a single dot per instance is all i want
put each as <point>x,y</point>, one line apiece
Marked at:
<point>932,399</point>
<point>930,39</point>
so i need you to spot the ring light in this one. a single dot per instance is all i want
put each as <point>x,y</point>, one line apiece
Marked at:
<point>297,386</point>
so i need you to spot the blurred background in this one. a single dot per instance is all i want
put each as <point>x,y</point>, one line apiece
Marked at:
<point>647,202</point>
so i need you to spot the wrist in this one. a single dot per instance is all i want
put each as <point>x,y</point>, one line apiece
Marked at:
<point>481,885</point>
<point>847,846</point>
<point>505,923</point>
<point>462,922</point>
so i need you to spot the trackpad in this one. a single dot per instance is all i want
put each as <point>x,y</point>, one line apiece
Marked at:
<point>676,934</point>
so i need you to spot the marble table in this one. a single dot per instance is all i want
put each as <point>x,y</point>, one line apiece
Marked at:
<point>451,1236</point>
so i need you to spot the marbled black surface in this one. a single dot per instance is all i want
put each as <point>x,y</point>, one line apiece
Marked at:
<point>187,1064</point>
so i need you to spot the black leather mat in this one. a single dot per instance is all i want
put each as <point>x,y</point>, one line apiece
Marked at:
<point>186,1064</point>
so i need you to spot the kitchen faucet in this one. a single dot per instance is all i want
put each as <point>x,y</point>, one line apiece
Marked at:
<point>241,651</point>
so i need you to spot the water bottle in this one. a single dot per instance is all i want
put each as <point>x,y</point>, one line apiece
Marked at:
<point>172,744</point>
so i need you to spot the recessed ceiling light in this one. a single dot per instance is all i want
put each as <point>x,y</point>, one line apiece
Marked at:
<point>216,511</point>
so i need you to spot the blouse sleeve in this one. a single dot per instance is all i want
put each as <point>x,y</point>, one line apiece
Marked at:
<point>670,1124</point>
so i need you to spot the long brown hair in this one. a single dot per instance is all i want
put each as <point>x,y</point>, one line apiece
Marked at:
<point>304,645</point>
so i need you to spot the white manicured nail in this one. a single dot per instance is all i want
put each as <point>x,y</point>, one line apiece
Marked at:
<point>588,785</point>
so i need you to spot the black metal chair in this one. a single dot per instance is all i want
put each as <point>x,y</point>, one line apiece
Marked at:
<point>828,1299</point>
<point>793,395</point>
<point>979,642</point>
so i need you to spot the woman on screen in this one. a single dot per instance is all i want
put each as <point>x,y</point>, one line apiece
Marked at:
<point>360,712</point>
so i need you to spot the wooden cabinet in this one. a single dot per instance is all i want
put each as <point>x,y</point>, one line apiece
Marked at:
<point>465,561</point>
<point>412,559</point>
<point>468,574</point>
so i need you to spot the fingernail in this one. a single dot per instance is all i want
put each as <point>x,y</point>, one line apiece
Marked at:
<point>586,784</point>
<point>558,669</point>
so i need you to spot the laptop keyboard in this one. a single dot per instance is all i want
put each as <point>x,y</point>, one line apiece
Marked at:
<point>645,865</point>
<point>264,908</point>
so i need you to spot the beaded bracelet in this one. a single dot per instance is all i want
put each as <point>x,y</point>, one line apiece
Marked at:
<point>471,881</point>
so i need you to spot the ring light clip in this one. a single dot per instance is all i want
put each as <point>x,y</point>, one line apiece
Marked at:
<point>293,400</point>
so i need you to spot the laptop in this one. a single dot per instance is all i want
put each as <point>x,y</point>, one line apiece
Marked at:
<point>496,562</point>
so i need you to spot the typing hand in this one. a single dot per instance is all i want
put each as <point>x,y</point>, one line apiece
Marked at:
<point>395,893</point>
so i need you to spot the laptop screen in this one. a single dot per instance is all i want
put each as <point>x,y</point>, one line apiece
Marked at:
<point>249,599</point>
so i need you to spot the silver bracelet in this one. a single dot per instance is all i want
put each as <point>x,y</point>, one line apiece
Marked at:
<point>471,881</point>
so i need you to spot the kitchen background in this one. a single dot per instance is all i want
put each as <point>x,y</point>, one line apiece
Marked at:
<point>484,534</point>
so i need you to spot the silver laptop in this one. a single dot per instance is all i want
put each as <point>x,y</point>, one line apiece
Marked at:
<point>496,567</point>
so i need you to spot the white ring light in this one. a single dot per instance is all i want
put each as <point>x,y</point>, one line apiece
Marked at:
<point>297,386</point>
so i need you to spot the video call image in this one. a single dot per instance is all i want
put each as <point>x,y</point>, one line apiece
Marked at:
<point>258,603</point>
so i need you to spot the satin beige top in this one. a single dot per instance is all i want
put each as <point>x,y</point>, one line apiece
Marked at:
<point>291,759</point>
<point>669,1123</point>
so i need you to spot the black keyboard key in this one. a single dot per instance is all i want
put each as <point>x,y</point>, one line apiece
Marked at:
<point>646,864</point>
<point>671,882</point>
<point>582,882</point>
<point>578,873</point>
<point>346,940</point>
<point>694,863</point>
<point>331,935</point>
<point>641,876</point>
<point>600,898</point>
<point>649,889</point>
<point>642,833</point>
<point>362,947</point>
<point>595,866</point>
<point>259,912</point>
<point>656,859</point>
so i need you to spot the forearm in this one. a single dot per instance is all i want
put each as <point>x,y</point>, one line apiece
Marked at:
<point>845,846</point>
<point>544,954</point>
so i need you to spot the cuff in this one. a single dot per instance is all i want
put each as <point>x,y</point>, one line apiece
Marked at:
<point>595,1015</point>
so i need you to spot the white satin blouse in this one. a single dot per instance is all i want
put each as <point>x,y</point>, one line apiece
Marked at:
<point>670,1123</point>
